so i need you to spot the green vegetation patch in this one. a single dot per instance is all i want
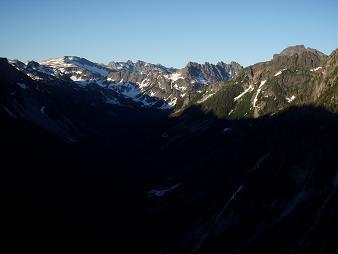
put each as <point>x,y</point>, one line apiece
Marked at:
<point>243,109</point>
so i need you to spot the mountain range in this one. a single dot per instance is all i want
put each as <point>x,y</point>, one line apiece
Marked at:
<point>147,84</point>
<point>139,157</point>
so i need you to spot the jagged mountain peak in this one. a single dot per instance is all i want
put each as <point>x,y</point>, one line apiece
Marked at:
<point>220,63</point>
<point>298,56</point>
<point>67,60</point>
<point>139,66</point>
<point>70,65</point>
<point>292,50</point>
<point>33,65</point>
<point>334,53</point>
<point>299,50</point>
<point>209,73</point>
<point>136,81</point>
<point>16,62</point>
<point>317,52</point>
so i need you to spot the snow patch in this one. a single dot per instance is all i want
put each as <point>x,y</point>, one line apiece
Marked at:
<point>77,79</point>
<point>180,88</point>
<point>144,83</point>
<point>249,89</point>
<point>34,77</point>
<point>206,97</point>
<point>110,80</point>
<point>258,92</point>
<point>227,130</point>
<point>73,62</point>
<point>163,191</point>
<point>174,77</point>
<point>126,89</point>
<point>9,112</point>
<point>290,99</point>
<point>236,192</point>
<point>280,72</point>
<point>172,102</point>
<point>316,69</point>
<point>22,85</point>
<point>43,108</point>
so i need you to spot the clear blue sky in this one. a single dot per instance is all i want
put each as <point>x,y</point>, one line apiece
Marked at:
<point>170,32</point>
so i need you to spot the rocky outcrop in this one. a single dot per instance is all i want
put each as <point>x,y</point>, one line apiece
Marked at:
<point>296,76</point>
<point>299,56</point>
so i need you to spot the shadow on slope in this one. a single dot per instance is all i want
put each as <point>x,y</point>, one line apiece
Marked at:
<point>254,185</point>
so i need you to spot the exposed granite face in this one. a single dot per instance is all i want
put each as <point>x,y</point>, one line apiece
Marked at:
<point>296,76</point>
<point>209,73</point>
<point>293,50</point>
<point>299,56</point>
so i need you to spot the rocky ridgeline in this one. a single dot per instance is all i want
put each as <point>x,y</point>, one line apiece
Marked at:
<point>136,81</point>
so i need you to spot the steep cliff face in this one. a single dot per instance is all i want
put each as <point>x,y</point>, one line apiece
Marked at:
<point>296,76</point>
<point>327,94</point>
